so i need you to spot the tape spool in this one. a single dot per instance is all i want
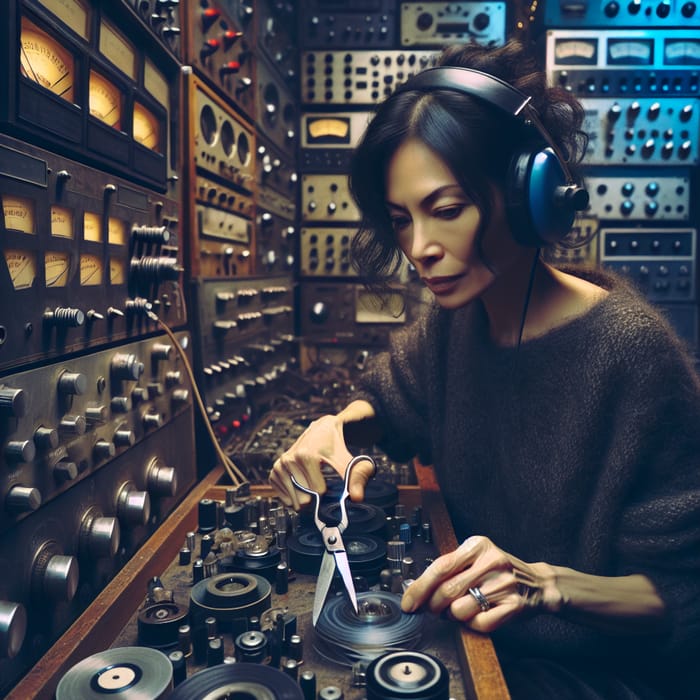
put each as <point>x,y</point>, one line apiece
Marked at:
<point>407,675</point>
<point>363,518</point>
<point>253,559</point>
<point>130,673</point>
<point>158,624</point>
<point>366,554</point>
<point>343,637</point>
<point>239,680</point>
<point>229,597</point>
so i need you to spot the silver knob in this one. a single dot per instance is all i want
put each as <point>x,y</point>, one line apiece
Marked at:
<point>22,499</point>
<point>55,576</point>
<point>13,402</point>
<point>20,451</point>
<point>133,507</point>
<point>99,536</point>
<point>72,383</point>
<point>13,627</point>
<point>162,480</point>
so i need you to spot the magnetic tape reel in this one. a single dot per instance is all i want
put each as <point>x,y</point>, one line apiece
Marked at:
<point>401,675</point>
<point>229,597</point>
<point>247,681</point>
<point>345,637</point>
<point>133,673</point>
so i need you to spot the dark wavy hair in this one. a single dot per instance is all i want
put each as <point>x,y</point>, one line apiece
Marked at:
<point>475,139</point>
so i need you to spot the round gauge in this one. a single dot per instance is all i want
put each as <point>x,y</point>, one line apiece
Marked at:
<point>228,139</point>
<point>92,227</point>
<point>90,270</point>
<point>207,124</point>
<point>627,52</point>
<point>575,51</point>
<point>243,148</point>
<point>682,52</point>
<point>116,231</point>
<point>21,265</point>
<point>146,128</point>
<point>18,213</point>
<point>45,61</point>
<point>105,101</point>
<point>61,222</point>
<point>56,267</point>
<point>116,271</point>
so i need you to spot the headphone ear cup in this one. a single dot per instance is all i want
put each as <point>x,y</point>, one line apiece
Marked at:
<point>536,216</point>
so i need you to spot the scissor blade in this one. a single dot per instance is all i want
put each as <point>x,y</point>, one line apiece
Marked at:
<point>341,560</point>
<point>323,584</point>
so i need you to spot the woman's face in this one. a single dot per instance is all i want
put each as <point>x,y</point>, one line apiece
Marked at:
<point>436,226</point>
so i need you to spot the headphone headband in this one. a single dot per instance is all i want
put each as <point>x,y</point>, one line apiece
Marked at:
<point>474,82</point>
<point>490,89</point>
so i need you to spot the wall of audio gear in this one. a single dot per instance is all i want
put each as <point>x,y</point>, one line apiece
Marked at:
<point>77,83</point>
<point>640,91</point>
<point>84,255</point>
<point>96,451</point>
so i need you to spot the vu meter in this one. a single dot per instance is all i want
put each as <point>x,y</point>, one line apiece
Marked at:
<point>61,222</point>
<point>22,268</point>
<point>57,269</point>
<point>92,227</point>
<point>328,130</point>
<point>18,213</point>
<point>90,270</point>
<point>46,62</point>
<point>116,271</point>
<point>146,128</point>
<point>105,101</point>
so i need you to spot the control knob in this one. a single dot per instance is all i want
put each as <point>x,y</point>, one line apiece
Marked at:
<point>54,575</point>
<point>133,506</point>
<point>99,535</point>
<point>22,499</point>
<point>13,402</point>
<point>17,451</point>
<point>161,480</point>
<point>13,627</point>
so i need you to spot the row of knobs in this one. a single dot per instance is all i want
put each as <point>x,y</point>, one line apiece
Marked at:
<point>662,9</point>
<point>55,576</point>
<point>636,85</point>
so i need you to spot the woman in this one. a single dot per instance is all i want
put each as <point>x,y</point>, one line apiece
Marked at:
<point>559,410</point>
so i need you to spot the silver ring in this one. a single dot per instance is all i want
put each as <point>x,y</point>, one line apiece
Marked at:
<point>480,598</point>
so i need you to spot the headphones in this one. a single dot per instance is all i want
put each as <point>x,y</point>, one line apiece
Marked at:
<point>541,195</point>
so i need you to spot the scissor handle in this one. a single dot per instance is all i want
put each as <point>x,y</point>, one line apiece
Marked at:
<point>346,492</point>
<point>317,505</point>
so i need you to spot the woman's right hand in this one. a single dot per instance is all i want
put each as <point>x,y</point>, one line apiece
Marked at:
<point>321,443</point>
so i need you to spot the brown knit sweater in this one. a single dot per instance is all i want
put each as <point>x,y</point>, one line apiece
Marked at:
<point>580,449</point>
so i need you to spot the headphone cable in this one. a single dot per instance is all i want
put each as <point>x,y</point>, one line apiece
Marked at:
<point>528,295</point>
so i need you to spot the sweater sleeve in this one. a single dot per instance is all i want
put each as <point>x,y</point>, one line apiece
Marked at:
<point>395,385</point>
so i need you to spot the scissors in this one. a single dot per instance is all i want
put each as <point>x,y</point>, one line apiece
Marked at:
<point>335,555</point>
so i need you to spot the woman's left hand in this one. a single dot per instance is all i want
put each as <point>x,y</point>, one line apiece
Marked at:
<point>502,586</point>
